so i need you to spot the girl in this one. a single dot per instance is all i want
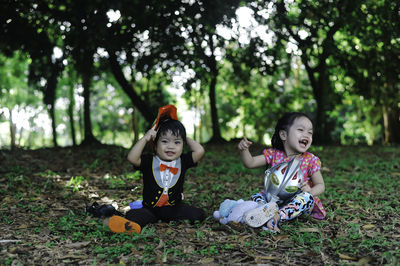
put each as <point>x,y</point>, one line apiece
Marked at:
<point>292,137</point>
<point>163,178</point>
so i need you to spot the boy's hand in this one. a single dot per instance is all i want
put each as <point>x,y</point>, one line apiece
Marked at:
<point>244,144</point>
<point>151,134</point>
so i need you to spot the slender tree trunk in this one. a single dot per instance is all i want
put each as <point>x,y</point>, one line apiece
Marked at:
<point>216,137</point>
<point>213,107</point>
<point>135,125</point>
<point>50,99</point>
<point>13,130</point>
<point>20,137</point>
<point>195,132</point>
<point>81,123</point>
<point>53,123</point>
<point>30,140</point>
<point>87,72</point>
<point>86,107</point>
<point>88,138</point>
<point>385,125</point>
<point>71,107</point>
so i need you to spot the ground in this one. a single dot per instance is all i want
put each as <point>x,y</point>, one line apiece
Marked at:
<point>43,195</point>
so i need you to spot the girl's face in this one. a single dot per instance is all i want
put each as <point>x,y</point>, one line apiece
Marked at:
<point>298,138</point>
<point>169,147</point>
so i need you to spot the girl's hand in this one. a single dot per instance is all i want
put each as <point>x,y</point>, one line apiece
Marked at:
<point>272,224</point>
<point>305,187</point>
<point>244,144</point>
<point>151,134</point>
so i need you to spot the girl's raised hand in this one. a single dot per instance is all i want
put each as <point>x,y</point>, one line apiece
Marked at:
<point>151,134</point>
<point>244,144</point>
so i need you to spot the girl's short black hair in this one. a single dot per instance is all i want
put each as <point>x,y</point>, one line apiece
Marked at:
<point>284,123</point>
<point>175,126</point>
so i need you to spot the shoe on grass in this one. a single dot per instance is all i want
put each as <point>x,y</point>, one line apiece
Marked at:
<point>118,224</point>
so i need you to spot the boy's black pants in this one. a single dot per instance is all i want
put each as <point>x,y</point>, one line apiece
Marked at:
<point>181,211</point>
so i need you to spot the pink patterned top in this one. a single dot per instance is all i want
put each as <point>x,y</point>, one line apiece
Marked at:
<point>309,165</point>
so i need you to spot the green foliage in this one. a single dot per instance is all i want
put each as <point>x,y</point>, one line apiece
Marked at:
<point>76,183</point>
<point>19,106</point>
<point>135,176</point>
<point>315,61</point>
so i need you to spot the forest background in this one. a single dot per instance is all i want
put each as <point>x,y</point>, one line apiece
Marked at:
<point>81,81</point>
<point>75,73</point>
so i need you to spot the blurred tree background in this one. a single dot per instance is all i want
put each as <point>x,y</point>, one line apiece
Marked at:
<point>82,72</point>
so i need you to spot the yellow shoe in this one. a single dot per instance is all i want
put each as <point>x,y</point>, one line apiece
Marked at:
<point>118,224</point>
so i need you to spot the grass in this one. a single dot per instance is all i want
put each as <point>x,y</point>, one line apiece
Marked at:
<point>42,206</point>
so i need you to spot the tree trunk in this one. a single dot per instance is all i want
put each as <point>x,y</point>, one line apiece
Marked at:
<point>135,125</point>
<point>13,130</point>
<point>71,114</point>
<point>200,130</point>
<point>89,138</point>
<point>323,125</point>
<point>144,109</point>
<point>81,123</point>
<point>53,123</point>
<point>391,122</point>
<point>213,106</point>
<point>21,131</point>
<point>216,137</point>
<point>50,99</point>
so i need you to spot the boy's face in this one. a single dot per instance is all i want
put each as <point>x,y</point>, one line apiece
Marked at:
<point>169,147</point>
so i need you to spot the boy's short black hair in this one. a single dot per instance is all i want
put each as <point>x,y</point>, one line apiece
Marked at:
<point>175,126</point>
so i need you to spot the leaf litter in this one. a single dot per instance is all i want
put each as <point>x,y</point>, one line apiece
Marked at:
<point>43,218</point>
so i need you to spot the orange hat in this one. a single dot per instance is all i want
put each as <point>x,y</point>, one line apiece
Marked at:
<point>166,112</point>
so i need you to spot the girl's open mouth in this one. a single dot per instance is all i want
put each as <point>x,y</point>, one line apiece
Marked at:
<point>303,142</point>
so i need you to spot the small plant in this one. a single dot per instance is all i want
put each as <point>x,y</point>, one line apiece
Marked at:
<point>116,182</point>
<point>133,176</point>
<point>75,182</point>
<point>94,165</point>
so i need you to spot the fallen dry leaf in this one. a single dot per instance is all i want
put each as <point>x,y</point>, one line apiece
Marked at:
<point>77,244</point>
<point>206,261</point>
<point>22,226</point>
<point>242,239</point>
<point>260,259</point>
<point>345,257</point>
<point>369,226</point>
<point>73,256</point>
<point>364,261</point>
<point>281,237</point>
<point>309,230</point>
